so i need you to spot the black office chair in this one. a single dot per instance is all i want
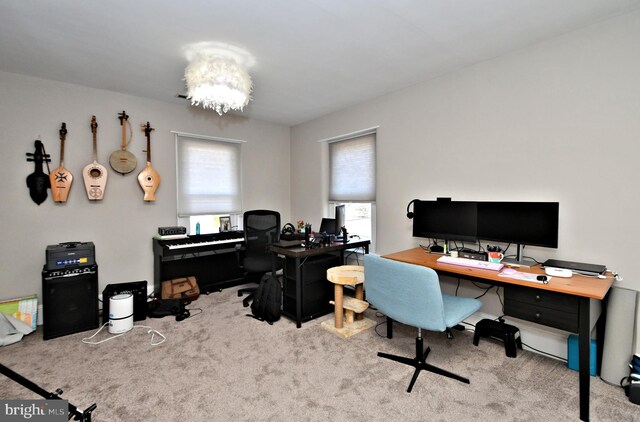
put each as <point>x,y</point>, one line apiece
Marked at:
<point>261,229</point>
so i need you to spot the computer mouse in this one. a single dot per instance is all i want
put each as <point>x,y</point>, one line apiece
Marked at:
<point>509,271</point>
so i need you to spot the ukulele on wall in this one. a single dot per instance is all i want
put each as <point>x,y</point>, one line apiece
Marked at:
<point>122,160</point>
<point>149,178</point>
<point>38,181</point>
<point>61,178</point>
<point>95,174</point>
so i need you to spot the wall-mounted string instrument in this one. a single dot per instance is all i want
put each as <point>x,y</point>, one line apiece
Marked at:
<point>122,160</point>
<point>61,178</point>
<point>38,181</point>
<point>149,178</point>
<point>94,174</point>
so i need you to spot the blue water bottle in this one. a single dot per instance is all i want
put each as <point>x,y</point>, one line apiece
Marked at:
<point>198,228</point>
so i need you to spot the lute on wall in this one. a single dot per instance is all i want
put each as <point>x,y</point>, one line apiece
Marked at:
<point>95,174</point>
<point>149,179</point>
<point>61,178</point>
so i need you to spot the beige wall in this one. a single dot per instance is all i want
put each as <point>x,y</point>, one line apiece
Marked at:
<point>122,225</point>
<point>559,121</point>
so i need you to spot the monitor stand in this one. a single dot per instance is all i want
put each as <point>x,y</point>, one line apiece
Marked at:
<point>519,261</point>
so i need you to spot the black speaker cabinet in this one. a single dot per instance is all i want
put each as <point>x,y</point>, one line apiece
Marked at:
<point>69,301</point>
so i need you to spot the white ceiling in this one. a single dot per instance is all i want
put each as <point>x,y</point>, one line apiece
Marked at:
<point>312,57</point>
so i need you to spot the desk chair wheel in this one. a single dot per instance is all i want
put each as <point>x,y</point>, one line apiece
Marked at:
<point>458,327</point>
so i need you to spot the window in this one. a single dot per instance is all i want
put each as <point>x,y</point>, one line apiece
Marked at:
<point>208,181</point>
<point>352,164</point>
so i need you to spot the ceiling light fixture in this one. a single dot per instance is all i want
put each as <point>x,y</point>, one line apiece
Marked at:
<point>216,78</point>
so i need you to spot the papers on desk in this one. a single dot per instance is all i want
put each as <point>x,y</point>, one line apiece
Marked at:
<point>518,275</point>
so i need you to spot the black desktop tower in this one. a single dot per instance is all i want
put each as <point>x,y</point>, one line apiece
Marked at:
<point>69,301</point>
<point>316,290</point>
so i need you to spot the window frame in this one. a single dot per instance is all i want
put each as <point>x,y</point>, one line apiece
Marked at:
<point>332,202</point>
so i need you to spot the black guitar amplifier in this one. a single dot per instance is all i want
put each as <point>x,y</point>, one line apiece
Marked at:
<point>70,254</point>
<point>170,231</point>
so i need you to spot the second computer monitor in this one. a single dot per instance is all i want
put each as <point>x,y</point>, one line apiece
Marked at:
<point>340,213</point>
<point>328,226</point>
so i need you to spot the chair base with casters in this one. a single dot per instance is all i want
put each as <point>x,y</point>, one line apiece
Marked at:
<point>420,364</point>
<point>247,300</point>
<point>410,294</point>
<point>250,291</point>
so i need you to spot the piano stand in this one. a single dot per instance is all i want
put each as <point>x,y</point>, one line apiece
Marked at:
<point>211,258</point>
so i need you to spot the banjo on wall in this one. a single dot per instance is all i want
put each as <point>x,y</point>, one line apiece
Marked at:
<point>122,160</point>
<point>95,174</point>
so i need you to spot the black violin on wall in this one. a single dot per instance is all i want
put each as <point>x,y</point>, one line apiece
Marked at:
<point>38,181</point>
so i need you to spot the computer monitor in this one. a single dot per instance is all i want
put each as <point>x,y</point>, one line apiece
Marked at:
<point>522,223</point>
<point>340,218</point>
<point>328,226</point>
<point>445,220</point>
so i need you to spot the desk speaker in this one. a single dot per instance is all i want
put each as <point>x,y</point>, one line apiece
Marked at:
<point>69,301</point>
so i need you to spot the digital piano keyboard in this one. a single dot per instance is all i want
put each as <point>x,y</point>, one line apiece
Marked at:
<point>211,258</point>
<point>201,243</point>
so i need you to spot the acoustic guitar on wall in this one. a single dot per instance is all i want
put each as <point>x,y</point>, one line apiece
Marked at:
<point>149,178</point>
<point>61,178</point>
<point>95,174</point>
<point>122,160</point>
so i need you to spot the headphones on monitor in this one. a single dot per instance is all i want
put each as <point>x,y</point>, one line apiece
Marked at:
<point>410,213</point>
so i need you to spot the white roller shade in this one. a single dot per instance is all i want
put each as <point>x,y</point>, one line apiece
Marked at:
<point>208,176</point>
<point>353,169</point>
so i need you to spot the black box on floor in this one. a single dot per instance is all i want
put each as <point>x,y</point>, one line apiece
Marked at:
<point>634,392</point>
<point>509,334</point>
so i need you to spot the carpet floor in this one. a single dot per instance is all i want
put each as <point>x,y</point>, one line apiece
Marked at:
<point>221,365</point>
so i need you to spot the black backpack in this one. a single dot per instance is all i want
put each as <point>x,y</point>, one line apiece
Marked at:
<point>267,300</point>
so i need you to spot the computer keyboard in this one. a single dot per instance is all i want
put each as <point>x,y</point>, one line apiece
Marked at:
<point>473,263</point>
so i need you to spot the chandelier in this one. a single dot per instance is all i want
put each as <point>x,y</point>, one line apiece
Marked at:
<point>217,81</point>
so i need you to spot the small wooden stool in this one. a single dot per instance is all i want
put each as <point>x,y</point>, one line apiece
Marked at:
<point>347,275</point>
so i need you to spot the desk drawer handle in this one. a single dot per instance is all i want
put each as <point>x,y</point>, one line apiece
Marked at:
<point>538,315</point>
<point>538,298</point>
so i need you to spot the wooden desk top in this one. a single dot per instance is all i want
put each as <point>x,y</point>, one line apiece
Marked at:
<point>578,285</point>
<point>301,252</point>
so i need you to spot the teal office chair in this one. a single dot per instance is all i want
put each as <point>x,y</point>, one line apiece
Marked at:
<point>411,294</point>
